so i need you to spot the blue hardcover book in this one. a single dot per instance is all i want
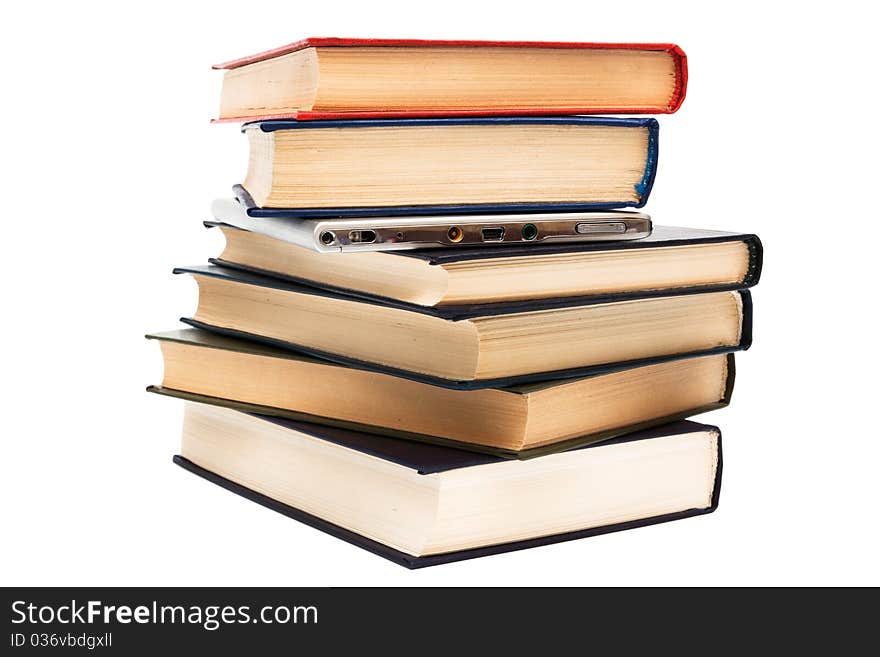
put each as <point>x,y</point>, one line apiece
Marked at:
<point>376,167</point>
<point>423,505</point>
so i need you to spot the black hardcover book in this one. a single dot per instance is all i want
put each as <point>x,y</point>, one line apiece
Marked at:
<point>472,346</point>
<point>671,260</point>
<point>388,496</point>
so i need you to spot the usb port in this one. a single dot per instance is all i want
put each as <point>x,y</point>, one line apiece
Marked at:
<point>494,234</point>
<point>362,236</point>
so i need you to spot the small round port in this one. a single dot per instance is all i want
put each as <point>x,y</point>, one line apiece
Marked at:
<point>327,238</point>
<point>455,234</point>
<point>529,232</point>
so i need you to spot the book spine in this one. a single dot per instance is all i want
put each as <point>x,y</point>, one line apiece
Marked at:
<point>746,335</point>
<point>756,261</point>
<point>643,188</point>
<point>681,77</point>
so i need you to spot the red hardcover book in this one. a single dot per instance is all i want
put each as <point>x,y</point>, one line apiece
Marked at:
<point>333,78</point>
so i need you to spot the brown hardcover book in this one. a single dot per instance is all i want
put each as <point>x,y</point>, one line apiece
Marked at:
<point>517,421</point>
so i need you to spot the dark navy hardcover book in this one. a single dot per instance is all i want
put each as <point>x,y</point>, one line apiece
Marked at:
<point>643,188</point>
<point>428,459</point>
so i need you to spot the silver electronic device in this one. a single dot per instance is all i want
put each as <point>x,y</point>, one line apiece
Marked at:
<point>395,233</point>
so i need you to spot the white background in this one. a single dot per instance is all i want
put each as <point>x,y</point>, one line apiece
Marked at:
<point>109,164</point>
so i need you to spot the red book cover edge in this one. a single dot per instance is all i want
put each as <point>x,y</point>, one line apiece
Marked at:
<point>678,93</point>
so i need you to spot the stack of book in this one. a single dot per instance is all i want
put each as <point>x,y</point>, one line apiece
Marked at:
<point>435,331</point>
